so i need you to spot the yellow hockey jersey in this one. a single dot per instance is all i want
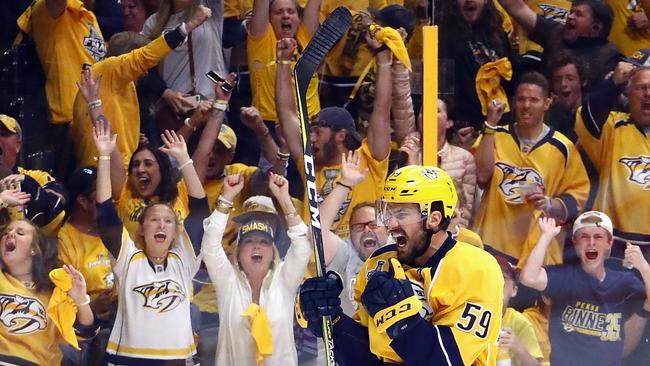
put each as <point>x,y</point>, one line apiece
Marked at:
<point>461,290</point>
<point>621,153</point>
<point>504,221</point>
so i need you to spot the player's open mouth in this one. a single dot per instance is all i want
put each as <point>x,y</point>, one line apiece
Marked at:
<point>10,247</point>
<point>160,237</point>
<point>400,240</point>
<point>591,254</point>
<point>256,258</point>
<point>286,26</point>
<point>144,182</point>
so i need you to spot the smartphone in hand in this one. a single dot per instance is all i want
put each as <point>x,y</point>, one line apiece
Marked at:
<point>215,77</point>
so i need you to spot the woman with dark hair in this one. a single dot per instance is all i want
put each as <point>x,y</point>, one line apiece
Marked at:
<point>27,335</point>
<point>154,280</point>
<point>471,36</point>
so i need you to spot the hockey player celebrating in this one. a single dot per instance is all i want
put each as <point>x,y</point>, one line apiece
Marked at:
<point>425,300</point>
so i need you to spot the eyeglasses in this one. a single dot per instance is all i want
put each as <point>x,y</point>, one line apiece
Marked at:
<point>361,226</point>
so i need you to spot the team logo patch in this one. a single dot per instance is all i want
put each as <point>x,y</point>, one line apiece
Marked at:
<point>162,296</point>
<point>430,174</point>
<point>22,315</point>
<point>513,177</point>
<point>94,44</point>
<point>639,167</point>
<point>554,12</point>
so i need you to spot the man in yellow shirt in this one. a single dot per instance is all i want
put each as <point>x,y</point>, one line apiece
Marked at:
<point>334,133</point>
<point>272,21</point>
<point>67,36</point>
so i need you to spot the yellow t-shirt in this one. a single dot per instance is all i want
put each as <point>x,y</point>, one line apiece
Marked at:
<point>620,151</point>
<point>261,64</point>
<point>367,191</point>
<point>464,301</point>
<point>626,39</point>
<point>556,10</point>
<point>120,101</point>
<point>524,331</point>
<point>236,8</point>
<point>539,322</point>
<point>87,254</point>
<point>507,223</point>
<point>129,208</point>
<point>26,332</point>
<point>42,178</point>
<point>63,45</point>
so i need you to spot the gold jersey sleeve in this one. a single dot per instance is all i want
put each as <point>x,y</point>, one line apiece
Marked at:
<point>621,153</point>
<point>461,299</point>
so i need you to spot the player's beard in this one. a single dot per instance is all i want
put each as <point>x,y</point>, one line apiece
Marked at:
<point>328,153</point>
<point>414,248</point>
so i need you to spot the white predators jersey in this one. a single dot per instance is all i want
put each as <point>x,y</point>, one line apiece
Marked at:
<point>153,319</point>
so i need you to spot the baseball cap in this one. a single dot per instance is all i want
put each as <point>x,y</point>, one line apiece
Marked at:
<point>395,16</point>
<point>258,208</point>
<point>336,118</point>
<point>255,226</point>
<point>81,182</point>
<point>227,137</point>
<point>593,219</point>
<point>10,124</point>
<point>507,268</point>
<point>639,58</point>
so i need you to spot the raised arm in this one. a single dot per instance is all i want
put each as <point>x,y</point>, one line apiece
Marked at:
<point>598,104</point>
<point>350,177</point>
<point>109,224</point>
<point>311,15</point>
<point>215,117</point>
<point>635,324</point>
<point>533,274</point>
<point>251,118</point>
<point>486,152</point>
<point>259,22</point>
<point>284,98</point>
<point>379,129</point>
<point>89,89</point>
<point>521,13</point>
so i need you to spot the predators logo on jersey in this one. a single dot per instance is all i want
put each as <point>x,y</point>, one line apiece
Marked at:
<point>554,12</point>
<point>639,167</point>
<point>513,178</point>
<point>162,296</point>
<point>22,315</point>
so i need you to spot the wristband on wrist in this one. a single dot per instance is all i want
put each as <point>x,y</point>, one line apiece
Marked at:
<point>283,62</point>
<point>344,185</point>
<point>104,157</point>
<point>387,64</point>
<point>85,302</point>
<point>220,104</point>
<point>190,161</point>
<point>292,214</point>
<point>283,156</point>
<point>382,48</point>
<point>489,129</point>
<point>225,201</point>
<point>187,123</point>
<point>94,104</point>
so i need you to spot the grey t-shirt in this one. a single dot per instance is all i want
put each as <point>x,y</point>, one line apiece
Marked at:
<point>206,50</point>
<point>347,263</point>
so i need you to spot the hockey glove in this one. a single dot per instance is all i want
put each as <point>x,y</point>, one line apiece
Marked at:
<point>390,301</point>
<point>318,297</point>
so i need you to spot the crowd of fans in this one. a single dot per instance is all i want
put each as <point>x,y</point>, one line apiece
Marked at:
<point>151,148</point>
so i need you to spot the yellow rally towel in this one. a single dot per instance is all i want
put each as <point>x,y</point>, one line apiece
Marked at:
<point>391,38</point>
<point>261,331</point>
<point>62,309</point>
<point>488,83</point>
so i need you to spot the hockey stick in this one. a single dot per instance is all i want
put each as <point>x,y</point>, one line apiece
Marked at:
<point>332,29</point>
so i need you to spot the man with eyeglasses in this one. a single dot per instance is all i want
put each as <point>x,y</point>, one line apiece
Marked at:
<point>619,146</point>
<point>425,300</point>
<point>598,312</point>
